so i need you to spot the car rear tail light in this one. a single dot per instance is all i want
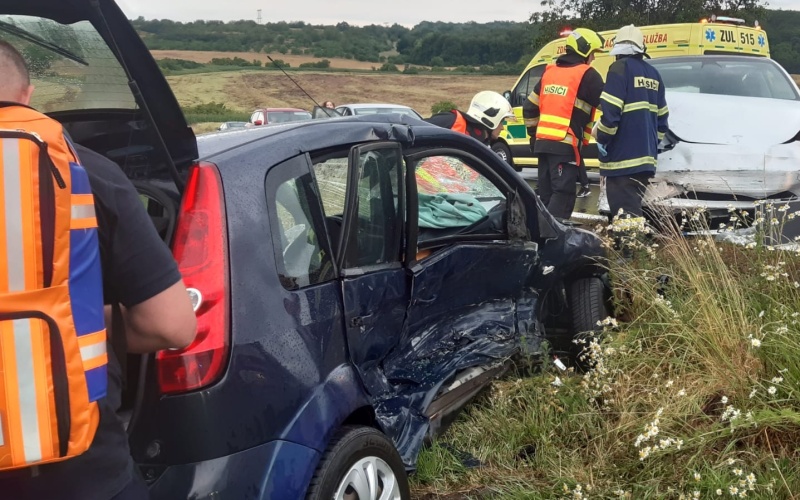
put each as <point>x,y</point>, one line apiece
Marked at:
<point>200,249</point>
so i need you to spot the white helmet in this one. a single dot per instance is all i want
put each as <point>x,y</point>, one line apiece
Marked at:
<point>490,108</point>
<point>629,40</point>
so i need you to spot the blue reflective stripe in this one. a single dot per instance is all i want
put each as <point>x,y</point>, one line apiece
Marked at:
<point>85,273</point>
<point>86,281</point>
<point>97,382</point>
<point>80,181</point>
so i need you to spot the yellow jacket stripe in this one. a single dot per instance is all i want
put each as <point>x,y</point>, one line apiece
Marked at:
<point>634,162</point>
<point>558,120</point>
<point>637,106</point>
<point>607,130</point>
<point>534,98</point>
<point>583,106</point>
<point>615,101</point>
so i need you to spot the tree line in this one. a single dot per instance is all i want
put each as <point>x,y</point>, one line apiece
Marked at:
<point>503,47</point>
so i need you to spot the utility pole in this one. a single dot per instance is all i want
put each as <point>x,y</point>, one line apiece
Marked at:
<point>258,19</point>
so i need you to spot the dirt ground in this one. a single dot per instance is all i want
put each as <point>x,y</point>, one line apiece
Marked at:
<point>247,90</point>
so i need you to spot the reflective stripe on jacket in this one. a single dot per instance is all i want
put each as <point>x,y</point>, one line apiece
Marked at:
<point>557,101</point>
<point>634,119</point>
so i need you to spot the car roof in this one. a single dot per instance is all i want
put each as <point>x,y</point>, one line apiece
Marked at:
<point>280,142</point>
<point>362,105</point>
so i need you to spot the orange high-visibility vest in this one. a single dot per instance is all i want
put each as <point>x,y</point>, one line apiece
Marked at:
<point>460,125</point>
<point>558,98</point>
<point>52,327</point>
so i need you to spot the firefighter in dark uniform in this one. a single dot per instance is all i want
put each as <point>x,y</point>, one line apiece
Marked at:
<point>559,114</point>
<point>634,120</point>
<point>482,121</point>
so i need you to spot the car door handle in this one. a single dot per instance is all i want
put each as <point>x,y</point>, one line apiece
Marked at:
<point>359,321</point>
<point>427,301</point>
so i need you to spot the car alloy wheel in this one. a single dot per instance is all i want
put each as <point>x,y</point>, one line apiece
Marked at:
<point>360,463</point>
<point>369,479</point>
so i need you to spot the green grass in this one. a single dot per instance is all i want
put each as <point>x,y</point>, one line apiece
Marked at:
<point>689,394</point>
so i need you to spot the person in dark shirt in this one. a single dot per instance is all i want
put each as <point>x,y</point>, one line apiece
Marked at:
<point>482,121</point>
<point>140,274</point>
<point>559,115</point>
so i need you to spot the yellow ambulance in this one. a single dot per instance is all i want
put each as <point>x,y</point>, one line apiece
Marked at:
<point>717,35</point>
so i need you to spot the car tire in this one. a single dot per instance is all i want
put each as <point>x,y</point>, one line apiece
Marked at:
<point>359,453</point>
<point>588,302</point>
<point>503,152</point>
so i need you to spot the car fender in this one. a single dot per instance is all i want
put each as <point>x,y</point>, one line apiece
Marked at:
<point>335,399</point>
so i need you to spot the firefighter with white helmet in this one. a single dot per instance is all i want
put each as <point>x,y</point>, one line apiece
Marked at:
<point>559,114</point>
<point>634,120</point>
<point>482,121</point>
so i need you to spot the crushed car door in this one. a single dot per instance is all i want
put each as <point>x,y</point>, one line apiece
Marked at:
<point>468,268</point>
<point>374,281</point>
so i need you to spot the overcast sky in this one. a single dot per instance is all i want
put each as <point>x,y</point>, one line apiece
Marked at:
<point>357,12</point>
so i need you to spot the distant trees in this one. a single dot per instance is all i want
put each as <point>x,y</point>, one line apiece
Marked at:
<point>488,48</point>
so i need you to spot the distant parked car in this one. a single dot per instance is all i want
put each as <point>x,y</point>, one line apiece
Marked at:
<point>371,109</point>
<point>231,125</point>
<point>268,116</point>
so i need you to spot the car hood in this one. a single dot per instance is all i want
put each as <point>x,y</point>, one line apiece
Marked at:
<point>732,120</point>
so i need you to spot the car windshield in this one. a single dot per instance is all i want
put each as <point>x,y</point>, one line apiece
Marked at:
<point>734,76</point>
<point>287,116</point>
<point>372,111</point>
<point>71,66</point>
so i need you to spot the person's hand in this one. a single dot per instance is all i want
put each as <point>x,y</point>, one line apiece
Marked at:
<point>602,149</point>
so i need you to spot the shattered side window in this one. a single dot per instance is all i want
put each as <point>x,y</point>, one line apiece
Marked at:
<point>453,194</point>
<point>297,231</point>
<point>71,66</point>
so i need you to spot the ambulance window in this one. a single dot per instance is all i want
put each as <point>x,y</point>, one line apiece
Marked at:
<point>527,84</point>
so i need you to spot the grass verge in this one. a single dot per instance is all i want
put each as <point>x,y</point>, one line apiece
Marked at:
<point>692,394</point>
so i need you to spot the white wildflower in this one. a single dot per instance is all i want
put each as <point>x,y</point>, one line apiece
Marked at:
<point>777,380</point>
<point>772,390</point>
<point>682,392</point>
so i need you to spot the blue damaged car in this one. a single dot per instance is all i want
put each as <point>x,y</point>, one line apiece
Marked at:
<point>356,281</point>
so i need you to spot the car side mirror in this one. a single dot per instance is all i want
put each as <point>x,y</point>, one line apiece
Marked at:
<point>507,95</point>
<point>258,122</point>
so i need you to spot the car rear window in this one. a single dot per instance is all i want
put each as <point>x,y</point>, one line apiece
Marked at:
<point>71,66</point>
<point>372,111</point>
<point>287,116</point>
<point>741,76</point>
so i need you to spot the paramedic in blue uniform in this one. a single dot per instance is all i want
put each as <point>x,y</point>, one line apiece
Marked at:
<point>633,122</point>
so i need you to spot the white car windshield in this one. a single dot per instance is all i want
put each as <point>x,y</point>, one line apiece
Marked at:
<point>734,76</point>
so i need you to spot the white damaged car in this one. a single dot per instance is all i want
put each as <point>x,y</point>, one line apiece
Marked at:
<point>734,134</point>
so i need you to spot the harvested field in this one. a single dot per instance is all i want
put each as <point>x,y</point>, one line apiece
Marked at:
<point>246,90</point>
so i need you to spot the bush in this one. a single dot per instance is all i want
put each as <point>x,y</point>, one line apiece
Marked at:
<point>277,63</point>
<point>388,67</point>
<point>213,112</point>
<point>323,64</point>
<point>236,61</point>
<point>170,64</point>
<point>443,106</point>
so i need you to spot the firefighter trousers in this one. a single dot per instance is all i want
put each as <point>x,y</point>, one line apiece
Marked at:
<point>556,185</point>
